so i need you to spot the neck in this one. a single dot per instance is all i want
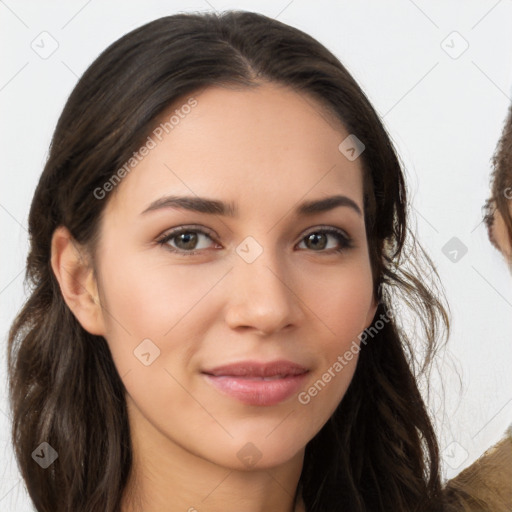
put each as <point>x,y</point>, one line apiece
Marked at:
<point>166,477</point>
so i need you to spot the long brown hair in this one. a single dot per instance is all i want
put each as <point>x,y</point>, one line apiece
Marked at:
<point>378,452</point>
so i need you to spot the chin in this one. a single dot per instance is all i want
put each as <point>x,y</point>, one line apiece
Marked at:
<point>259,452</point>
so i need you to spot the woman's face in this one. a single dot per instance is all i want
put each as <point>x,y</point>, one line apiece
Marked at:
<point>268,277</point>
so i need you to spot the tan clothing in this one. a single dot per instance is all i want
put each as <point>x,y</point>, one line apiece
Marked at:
<point>486,485</point>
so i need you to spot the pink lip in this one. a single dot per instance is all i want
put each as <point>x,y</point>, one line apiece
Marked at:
<point>245,381</point>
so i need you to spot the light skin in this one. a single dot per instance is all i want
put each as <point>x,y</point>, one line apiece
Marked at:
<point>266,151</point>
<point>500,236</point>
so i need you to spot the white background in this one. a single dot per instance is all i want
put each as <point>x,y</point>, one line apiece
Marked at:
<point>444,114</point>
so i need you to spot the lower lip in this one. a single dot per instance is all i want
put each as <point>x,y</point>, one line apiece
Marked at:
<point>254,391</point>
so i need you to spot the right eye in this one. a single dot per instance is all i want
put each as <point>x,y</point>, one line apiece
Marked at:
<point>185,240</point>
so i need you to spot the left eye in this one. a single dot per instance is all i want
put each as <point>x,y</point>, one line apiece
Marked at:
<point>319,240</point>
<point>189,241</point>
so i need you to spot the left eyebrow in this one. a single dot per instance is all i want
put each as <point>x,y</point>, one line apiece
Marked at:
<point>215,207</point>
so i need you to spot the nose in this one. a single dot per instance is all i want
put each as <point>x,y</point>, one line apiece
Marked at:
<point>262,296</point>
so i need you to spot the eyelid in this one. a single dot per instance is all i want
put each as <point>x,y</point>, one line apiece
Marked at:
<point>326,229</point>
<point>186,227</point>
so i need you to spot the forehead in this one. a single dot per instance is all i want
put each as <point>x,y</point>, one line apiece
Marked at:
<point>267,142</point>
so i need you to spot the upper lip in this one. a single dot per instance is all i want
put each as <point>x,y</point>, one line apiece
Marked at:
<point>258,369</point>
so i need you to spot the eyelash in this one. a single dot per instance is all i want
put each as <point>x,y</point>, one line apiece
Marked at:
<point>345,241</point>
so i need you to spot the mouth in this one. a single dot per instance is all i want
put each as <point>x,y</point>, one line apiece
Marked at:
<point>255,383</point>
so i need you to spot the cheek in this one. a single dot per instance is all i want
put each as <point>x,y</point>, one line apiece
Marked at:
<point>163,303</point>
<point>342,302</point>
<point>155,314</point>
<point>343,307</point>
<point>151,298</point>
